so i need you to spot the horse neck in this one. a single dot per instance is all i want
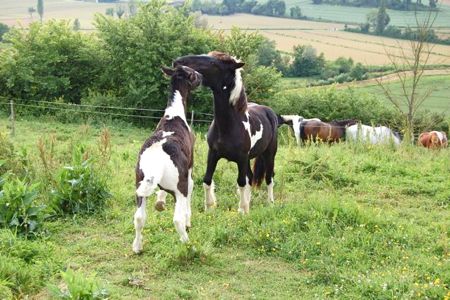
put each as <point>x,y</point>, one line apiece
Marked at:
<point>225,113</point>
<point>178,100</point>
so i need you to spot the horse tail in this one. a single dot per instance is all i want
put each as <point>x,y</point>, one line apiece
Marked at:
<point>280,120</point>
<point>259,171</point>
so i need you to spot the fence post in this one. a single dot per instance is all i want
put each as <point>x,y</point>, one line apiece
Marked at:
<point>12,118</point>
<point>192,118</point>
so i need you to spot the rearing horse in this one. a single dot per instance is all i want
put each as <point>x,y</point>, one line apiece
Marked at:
<point>240,131</point>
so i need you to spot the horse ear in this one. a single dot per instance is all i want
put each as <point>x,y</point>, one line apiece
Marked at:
<point>168,71</point>
<point>238,65</point>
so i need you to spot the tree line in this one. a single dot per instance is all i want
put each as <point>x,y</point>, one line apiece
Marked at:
<point>407,5</point>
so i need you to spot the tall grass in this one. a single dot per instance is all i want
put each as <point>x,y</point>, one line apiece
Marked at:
<point>349,221</point>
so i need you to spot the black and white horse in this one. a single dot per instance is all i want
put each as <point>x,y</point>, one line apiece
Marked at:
<point>240,130</point>
<point>166,158</point>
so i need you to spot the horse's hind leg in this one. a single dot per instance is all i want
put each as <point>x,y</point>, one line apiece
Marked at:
<point>139,221</point>
<point>189,198</point>
<point>269,158</point>
<point>179,217</point>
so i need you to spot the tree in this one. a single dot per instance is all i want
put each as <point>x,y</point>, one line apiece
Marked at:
<point>415,58</point>
<point>76,25</point>
<point>120,11</point>
<point>433,3</point>
<point>296,12</point>
<point>132,8</point>
<point>306,62</point>
<point>382,19</point>
<point>40,9</point>
<point>31,11</point>
<point>3,29</point>
<point>110,11</point>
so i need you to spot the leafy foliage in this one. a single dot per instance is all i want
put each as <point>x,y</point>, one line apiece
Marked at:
<point>3,29</point>
<point>49,61</point>
<point>79,188</point>
<point>18,208</point>
<point>79,286</point>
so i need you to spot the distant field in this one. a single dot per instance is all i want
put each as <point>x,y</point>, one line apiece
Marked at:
<point>325,37</point>
<point>13,12</point>
<point>348,14</point>
<point>439,101</point>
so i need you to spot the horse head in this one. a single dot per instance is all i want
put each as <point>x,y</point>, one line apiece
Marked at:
<point>182,75</point>
<point>219,70</point>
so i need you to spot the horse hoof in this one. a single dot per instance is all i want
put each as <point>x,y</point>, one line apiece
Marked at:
<point>160,205</point>
<point>188,228</point>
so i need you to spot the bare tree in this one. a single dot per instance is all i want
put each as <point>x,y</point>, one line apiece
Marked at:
<point>409,66</point>
<point>31,11</point>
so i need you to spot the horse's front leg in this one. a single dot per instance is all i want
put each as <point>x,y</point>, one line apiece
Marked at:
<point>139,221</point>
<point>208,183</point>
<point>244,186</point>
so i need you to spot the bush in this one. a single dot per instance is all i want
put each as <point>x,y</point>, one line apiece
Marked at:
<point>12,161</point>
<point>3,29</point>
<point>18,208</point>
<point>79,188</point>
<point>79,286</point>
<point>330,104</point>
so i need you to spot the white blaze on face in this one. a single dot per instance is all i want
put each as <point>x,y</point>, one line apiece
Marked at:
<point>258,134</point>
<point>176,109</point>
<point>236,92</point>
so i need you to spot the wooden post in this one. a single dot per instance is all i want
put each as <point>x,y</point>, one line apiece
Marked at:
<point>192,118</point>
<point>12,118</point>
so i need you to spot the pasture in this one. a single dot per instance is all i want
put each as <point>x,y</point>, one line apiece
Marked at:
<point>437,102</point>
<point>357,15</point>
<point>327,38</point>
<point>349,221</point>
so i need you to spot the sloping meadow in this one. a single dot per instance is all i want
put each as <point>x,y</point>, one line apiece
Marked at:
<point>349,220</point>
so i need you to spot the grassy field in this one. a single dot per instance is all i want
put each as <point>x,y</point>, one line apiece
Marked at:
<point>358,15</point>
<point>325,37</point>
<point>350,222</point>
<point>439,100</point>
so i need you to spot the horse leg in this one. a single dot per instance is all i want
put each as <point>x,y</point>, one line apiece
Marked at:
<point>160,203</point>
<point>208,183</point>
<point>189,198</point>
<point>244,186</point>
<point>179,216</point>
<point>139,221</point>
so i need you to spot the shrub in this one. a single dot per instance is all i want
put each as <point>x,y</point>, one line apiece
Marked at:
<point>18,208</point>
<point>79,188</point>
<point>12,161</point>
<point>330,104</point>
<point>79,286</point>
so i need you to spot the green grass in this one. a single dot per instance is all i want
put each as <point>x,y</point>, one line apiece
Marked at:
<point>350,222</point>
<point>439,100</point>
<point>348,14</point>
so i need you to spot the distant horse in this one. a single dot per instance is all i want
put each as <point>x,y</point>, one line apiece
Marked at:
<point>372,135</point>
<point>331,132</point>
<point>433,139</point>
<point>240,130</point>
<point>166,158</point>
<point>294,121</point>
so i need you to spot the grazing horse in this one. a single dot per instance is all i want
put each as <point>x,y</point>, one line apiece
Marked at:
<point>240,130</point>
<point>372,135</point>
<point>433,139</point>
<point>166,158</point>
<point>331,132</point>
<point>294,121</point>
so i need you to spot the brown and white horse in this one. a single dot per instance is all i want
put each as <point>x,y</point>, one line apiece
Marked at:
<point>294,121</point>
<point>433,139</point>
<point>240,130</point>
<point>166,158</point>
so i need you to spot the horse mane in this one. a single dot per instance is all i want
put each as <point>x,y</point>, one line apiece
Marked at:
<point>239,103</point>
<point>223,57</point>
